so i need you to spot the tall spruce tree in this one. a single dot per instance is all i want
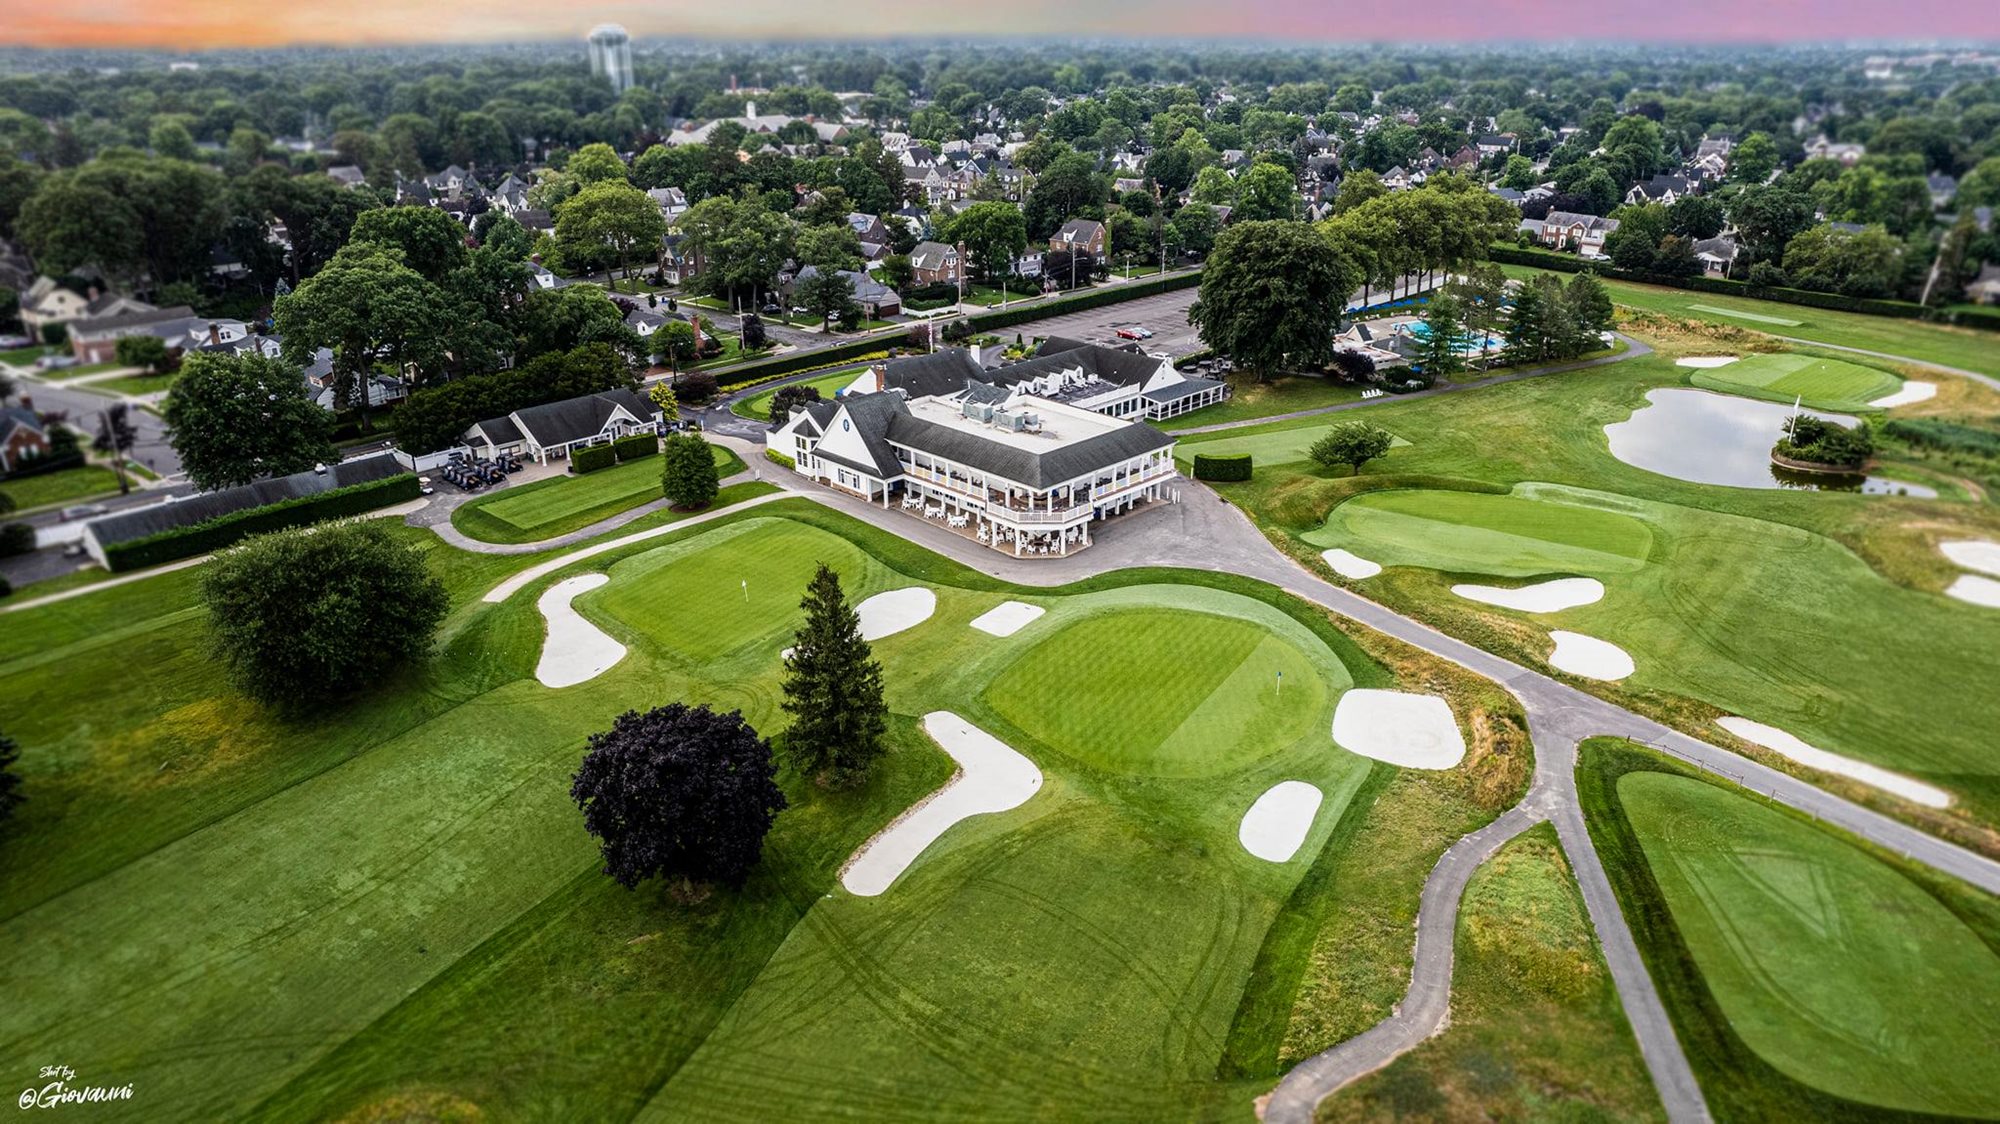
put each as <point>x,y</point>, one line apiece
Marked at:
<point>1445,331</point>
<point>833,688</point>
<point>1527,325</point>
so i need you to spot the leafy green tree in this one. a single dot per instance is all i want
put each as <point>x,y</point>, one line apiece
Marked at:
<point>430,241</point>
<point>610,221</point>
<point>1444,335</point>
<point>1271,293</point>
<point>743,242</point>
<point>1769,216</point>
<point>678,792</point>
<point>828,247</point>
<point>661,395</point>
<point>66,225</point>
<point>826,295</point>
<point>1352,444</point>
<point>308,615</point>
<point>1070,187</point>
<point>1266,191</point>
<point>1863,264</point>
<point>237,418</point>
<point>561,320</point>
<point>1587,313</point>
<point>149,353</point>
<point>1519,173</point>
<point>369,308</point>
<point>1528,322</point>
<point>994,234</point>
<point>1193,228</point>
<point>1753,159</point>
<point>675,343</point>
<point>18,182</point>
<point>596,163</point>
<point>1213,186</point>
<point>170,139</point>
<point>688,478</point>
<point>833,688</point>
<point>1695,217</point>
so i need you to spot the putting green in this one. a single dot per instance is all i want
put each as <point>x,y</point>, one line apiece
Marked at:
<point>1741,315</point>
<point>1832,966</point>
<point>1831,384</point>
<point>1481,532</point>
<point>1213,700</point>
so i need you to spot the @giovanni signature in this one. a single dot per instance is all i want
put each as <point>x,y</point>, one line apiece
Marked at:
<point>57,1087</point>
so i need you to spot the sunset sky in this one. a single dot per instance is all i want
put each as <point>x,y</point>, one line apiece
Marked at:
<point>199,24</point>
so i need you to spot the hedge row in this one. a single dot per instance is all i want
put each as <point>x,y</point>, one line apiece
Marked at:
<point>590,458</point>
<point>1722,286</point>
<point>1222,467</point>
<point>636,446</point>
<point>779,459</point>
<point>40,466</point>
<point>227,530</point>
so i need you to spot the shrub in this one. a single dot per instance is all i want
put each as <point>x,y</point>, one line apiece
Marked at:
<point>1353,366</point>
<point>1818,441</point>
<point>636,447</point>
<point>305,616</point>
<point>789,397</point>
<point>590,458</point>
<point>6,587</point>
<point>779,459</point>
<point>16,538</point>
<point>688,478</point>
<point>1222,468</point>
<point>227,530</point>
<point>696,386</point>
<point>1350,443</point>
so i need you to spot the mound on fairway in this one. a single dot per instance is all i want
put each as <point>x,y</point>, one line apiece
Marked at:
<point>576,651</point>
<point>1410,730</point>
<point>1278,822</point>
<point>1830,384</point>
<point>1551,596</point>
<point>1219,691</point>
<point>1480,532</point>
<point>1781,741</point>
<point>1831,966</point>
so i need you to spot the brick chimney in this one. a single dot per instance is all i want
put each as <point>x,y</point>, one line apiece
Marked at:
<point>214,332</point>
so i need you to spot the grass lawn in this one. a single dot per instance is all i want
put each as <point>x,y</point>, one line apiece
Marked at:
<point>141,384</point>
<point>1537,1031</point>
<point>1967,348</point>
<point>561,504</point>
<point>1251,399</point>
<point>1829,384</point>
<point>68,485</point>
<point>1727,610</point>
<point>1808,974</point>
<point>414,923</point>
<point>1285,444</point>
<point>758,406</point>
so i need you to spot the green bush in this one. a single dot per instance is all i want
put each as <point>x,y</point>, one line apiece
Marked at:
<point>1222,468</point>
<point>779,459</point>
<point>226,530</point>
<point>590,458</point>
<point>637,446</point>
<point>16,538</point>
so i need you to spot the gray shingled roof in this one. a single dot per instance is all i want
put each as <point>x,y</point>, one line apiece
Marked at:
<point>1024,466</point>
<point>923,376</point>
<point>138,524</point>
<point>1181,389</point>
<point>580,418</point>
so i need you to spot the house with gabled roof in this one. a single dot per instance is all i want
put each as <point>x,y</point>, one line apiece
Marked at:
<point>554,429</point>
<point>23,437</point>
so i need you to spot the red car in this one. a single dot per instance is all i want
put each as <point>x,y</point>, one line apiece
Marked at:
<point>1129,334</point>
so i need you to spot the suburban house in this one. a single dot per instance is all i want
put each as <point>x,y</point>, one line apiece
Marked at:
<point>47,302</point>
<point>1080,234</point>
<point>1493,144</point>
<point>680,262</point>
<point>554,428</point>
<point>1567,230</point>
<point>347,175</point>
<point>1661,189</point>
<point>876,299</point>
<point>1847,155</point>
<point>1103,380</point>
<point>23,437</point>
<point>1985,288</point>
<point>95,339</point>
<point>186,511</point>
<point>1717,255</point>
<point>672,201</point>
<point>1016,472</point>
<point>645,321</point>
<point>935,263</point>
<point>1943,189</point>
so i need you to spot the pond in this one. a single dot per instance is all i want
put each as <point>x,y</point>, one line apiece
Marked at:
<point>1722,439</point>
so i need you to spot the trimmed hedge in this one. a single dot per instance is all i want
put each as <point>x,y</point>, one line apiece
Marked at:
<point>41,466</point>
<point>779,459</point>
<point>590,458</point>
<point>1227,468</point>
<point>227,530</point>
<point>637,446</point>
<point>1722,286</point>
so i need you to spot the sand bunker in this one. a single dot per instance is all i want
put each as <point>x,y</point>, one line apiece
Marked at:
<point>1588,656</point>
<point>1912,392</point>
<point>1550,596</point>
<point>1414,731</point>
<point>1778,741</point>
<point>1276,825</point>
<point>1975,590</point>
<point>1350,565</point>
<point>991,778</point>
<point>887,614</point>
<point>1974,554</point>
<point>1705,361</point>
<point>1007,618</point>
<point>576,651</point>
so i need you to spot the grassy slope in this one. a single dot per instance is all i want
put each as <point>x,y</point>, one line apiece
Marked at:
<point>1507,535</point>
<point>1742,590</point>
<point>1829,384</point>
<point>1936,343</point>
<point>1738,1082</point>
<point>66,486</point>
<point>1833,967</point>
<point>559,505</point>
<point>1537,1031</point>
<point>393,909</point>
<point>758,406</point>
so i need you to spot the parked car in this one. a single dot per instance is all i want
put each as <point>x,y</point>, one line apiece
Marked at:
<point>1129,334</point>
<point>12,342</point>
<point>83,511</point>
<point>54,362</point>
<point>1144,333</point>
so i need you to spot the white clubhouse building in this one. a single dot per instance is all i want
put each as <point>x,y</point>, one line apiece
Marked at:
<point>1105,380</point>
<point>1019,472</point>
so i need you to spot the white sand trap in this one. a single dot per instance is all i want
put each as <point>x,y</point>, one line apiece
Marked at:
<point>1550,596</point>
<point>1705,361</point>
<point>576,651</point>
<point>1975,590</point>
<point>1778,741</point>
<point>887,614</point>
<point>1414,731</point>
<point>1911,393</point>
<point>1974,554</point>
<point>1276,825</point>
<point>991,778</point>
<point>1007,618</point>
<point>1350,565</point>
<point>1588,656</point>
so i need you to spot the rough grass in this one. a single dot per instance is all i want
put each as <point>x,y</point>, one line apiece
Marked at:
<point>1537,1031</point>
<point>1830,384</point>
<point>69,485</point>
<point>562,504</point>
<point>1513,535</point>
<point>1845,972</point>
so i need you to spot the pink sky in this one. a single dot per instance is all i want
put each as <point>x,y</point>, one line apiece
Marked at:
<point>221,23</point>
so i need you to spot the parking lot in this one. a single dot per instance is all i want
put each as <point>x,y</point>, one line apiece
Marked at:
<point>1164,315</point>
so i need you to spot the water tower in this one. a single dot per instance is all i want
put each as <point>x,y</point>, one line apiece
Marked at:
<point>611,56</point>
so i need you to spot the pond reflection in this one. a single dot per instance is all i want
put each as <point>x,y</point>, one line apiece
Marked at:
<point>1723,439</point>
